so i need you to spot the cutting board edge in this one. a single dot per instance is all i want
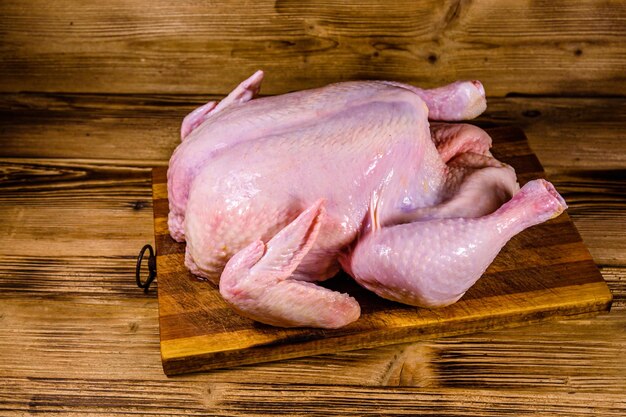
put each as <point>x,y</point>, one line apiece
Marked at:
<point>248,356</point>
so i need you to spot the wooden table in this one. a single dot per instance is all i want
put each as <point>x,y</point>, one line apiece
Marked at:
<point>91,97</point>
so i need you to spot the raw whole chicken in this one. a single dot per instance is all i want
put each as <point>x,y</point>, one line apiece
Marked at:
<point>273,194</point>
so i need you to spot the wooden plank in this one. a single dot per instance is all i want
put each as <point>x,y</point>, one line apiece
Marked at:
<point>469,361</point>
<point>77,338</point>
<point>52,208</point>
<point>98,127</point>
<point>46,193</point>
<point>117,339</point>
<point>575,138</point>
<point>566,133</point>
<point>195,47</point>
<point>545,272</point>
<point>94,349</point>
<point>129,397</point>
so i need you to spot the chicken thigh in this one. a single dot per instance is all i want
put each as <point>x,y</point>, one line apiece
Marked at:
<point>273,194</point>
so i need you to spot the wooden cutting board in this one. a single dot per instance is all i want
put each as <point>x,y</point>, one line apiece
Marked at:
<point>544,273</point>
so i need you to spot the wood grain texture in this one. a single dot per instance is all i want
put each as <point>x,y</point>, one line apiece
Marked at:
<point>43,195</point>
<point>145,128</point>
<point>78,338</point>
<point>258,399</point>
<point>99,207</point>
<point>543,273</point>
<point>195,47</point>
<point>118,339</point>
<point>84,340</point>
<point>588,172</point>
<point>119,349</point>
<point>83,126</point>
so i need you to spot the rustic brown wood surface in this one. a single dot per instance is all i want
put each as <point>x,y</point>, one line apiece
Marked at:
<point>91,97</point>
<point>531,47</point>
<point>544,273</point>
<point>77,337</point>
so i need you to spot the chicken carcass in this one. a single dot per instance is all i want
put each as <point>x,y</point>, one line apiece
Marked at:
<point>273,194</point>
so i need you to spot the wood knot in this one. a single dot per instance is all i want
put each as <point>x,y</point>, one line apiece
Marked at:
<point>531,113</point>
<point>138,205</point>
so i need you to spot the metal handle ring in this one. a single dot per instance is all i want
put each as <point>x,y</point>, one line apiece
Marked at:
<point>151,268</point>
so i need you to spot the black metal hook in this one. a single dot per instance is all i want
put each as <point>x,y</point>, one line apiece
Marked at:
<point>151,268</point>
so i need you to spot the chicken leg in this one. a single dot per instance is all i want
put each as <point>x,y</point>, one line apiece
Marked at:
<point>433,263</point>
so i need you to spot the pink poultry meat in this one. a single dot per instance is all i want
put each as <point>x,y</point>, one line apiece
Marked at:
<point>273,194</point>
